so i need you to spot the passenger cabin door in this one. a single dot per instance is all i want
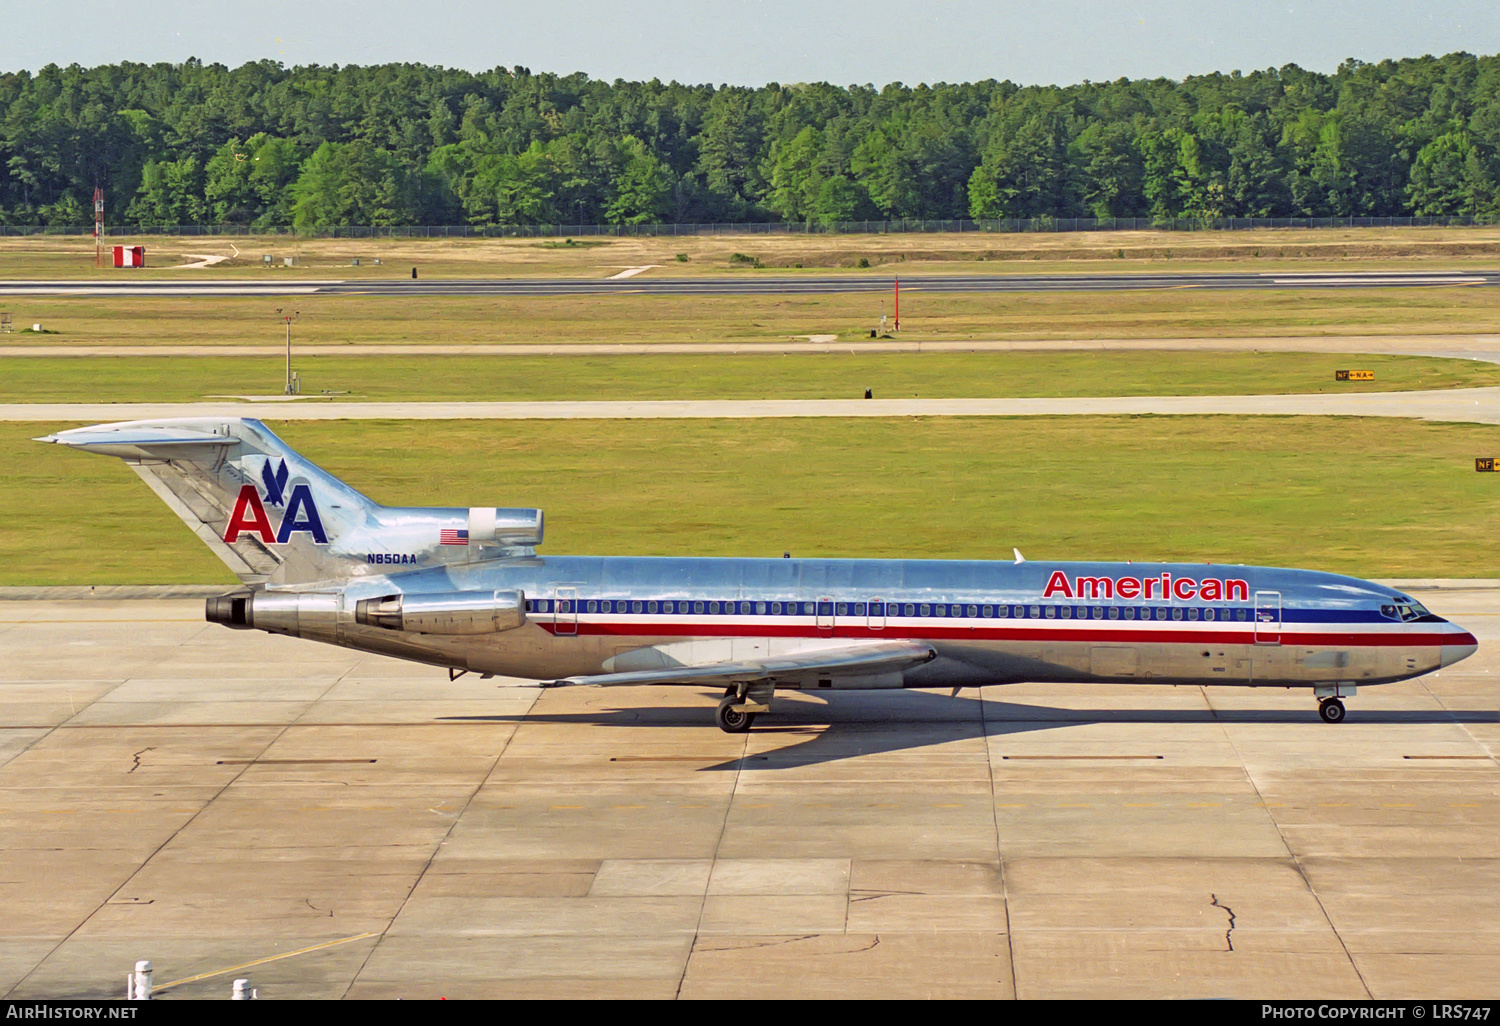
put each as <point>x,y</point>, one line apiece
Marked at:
<point>565,611</point>
<point>1268,617</point>
<point>825,616</point>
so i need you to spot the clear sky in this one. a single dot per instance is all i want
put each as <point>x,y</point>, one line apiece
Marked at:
<point>751,42</point>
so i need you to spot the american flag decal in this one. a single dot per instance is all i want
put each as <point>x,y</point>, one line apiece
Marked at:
<point>452,536</point>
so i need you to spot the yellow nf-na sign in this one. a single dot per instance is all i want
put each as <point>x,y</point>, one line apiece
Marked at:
<point>1485,464</point>
<point>1353,375</point>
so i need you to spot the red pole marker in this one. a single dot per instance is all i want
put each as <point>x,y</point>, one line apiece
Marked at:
<point>898,304</point>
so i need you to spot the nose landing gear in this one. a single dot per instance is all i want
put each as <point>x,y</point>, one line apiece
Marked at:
<point>1330,704</point>
<point>1331,709</point>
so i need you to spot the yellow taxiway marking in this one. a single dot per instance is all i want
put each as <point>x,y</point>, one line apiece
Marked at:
<point>953,805</point>
<point>567,806</point>
<point>1205,805</point>
<point>630,806</point>
<point>1397,805</point>
<point>1457,805</point>
<point>263,961</point>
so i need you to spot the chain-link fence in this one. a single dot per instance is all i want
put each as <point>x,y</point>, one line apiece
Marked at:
<point>999,226</point>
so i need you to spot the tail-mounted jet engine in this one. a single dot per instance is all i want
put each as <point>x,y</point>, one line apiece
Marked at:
<point>300,614</point>
<point>452,612</point>
<point>313,614</point>
<point>521,528</point>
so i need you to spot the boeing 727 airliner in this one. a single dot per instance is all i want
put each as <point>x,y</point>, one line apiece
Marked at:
<point>465,589</point>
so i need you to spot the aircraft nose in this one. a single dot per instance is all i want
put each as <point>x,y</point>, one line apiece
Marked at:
<point>1460,646</point>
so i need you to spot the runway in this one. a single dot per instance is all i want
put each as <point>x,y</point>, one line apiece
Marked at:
<point>1464,405</point>
<point>206,798</point>
<point>749,283</point>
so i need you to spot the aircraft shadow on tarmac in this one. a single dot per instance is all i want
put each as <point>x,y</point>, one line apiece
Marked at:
<point>854,726</point>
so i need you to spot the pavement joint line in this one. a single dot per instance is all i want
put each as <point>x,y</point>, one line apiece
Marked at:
<point>310,706</point>
<point>989,765</point>
<point>1482,758</point>
<point>739,773</point>
<point>263,961</point>
<point>217,793</point>
<point>457,817</point>
<point>1463,725</point>
<point>1291,852</point>
<point>1085,757</point>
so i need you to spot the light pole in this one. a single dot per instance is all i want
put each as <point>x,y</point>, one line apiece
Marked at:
<point>288,317</point>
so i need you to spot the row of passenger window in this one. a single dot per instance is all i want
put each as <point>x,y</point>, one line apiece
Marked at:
<point>887,610</point>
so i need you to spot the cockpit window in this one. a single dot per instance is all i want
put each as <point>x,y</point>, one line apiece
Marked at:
<point>1406,610</point>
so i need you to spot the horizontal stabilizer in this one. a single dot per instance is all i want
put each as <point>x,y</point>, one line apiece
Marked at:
<point>853,660</point>
<point>135,440</point>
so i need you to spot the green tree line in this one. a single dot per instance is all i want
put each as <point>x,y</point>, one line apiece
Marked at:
<point>269,146</point>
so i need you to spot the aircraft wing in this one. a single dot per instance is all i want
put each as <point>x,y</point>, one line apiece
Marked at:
<point>866,659</point>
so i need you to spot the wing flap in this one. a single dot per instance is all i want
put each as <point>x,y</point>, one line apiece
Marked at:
<point>866,659</point>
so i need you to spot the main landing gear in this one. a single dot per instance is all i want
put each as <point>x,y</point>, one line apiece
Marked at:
<point>1331,709</point>
<point>732,718</point>
<point>740,705</point>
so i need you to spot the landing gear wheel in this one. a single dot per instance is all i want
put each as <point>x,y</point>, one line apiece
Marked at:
<point>1332,710</point>
<point>732,718</point>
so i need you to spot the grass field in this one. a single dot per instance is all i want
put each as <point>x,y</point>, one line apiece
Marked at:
<point>836,375</point>
<point>338,320</point>
<point>1262,249</point>
<point>1369,497</point>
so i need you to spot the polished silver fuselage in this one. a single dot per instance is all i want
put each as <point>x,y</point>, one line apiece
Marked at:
<point>988,622</point>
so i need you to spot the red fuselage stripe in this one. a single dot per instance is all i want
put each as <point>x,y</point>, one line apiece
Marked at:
<point>1166,635</point>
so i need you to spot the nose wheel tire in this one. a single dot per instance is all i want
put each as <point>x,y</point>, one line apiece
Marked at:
<point>1332,710</point>
<point>732,718</point>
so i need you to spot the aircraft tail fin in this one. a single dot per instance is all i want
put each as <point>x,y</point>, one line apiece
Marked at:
<point>276,519</point>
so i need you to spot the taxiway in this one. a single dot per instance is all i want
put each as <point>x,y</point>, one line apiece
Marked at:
<point>335,824</point>
<point>1464,405</point>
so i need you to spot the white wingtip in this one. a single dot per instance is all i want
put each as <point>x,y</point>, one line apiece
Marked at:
<point>1019,558</point>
